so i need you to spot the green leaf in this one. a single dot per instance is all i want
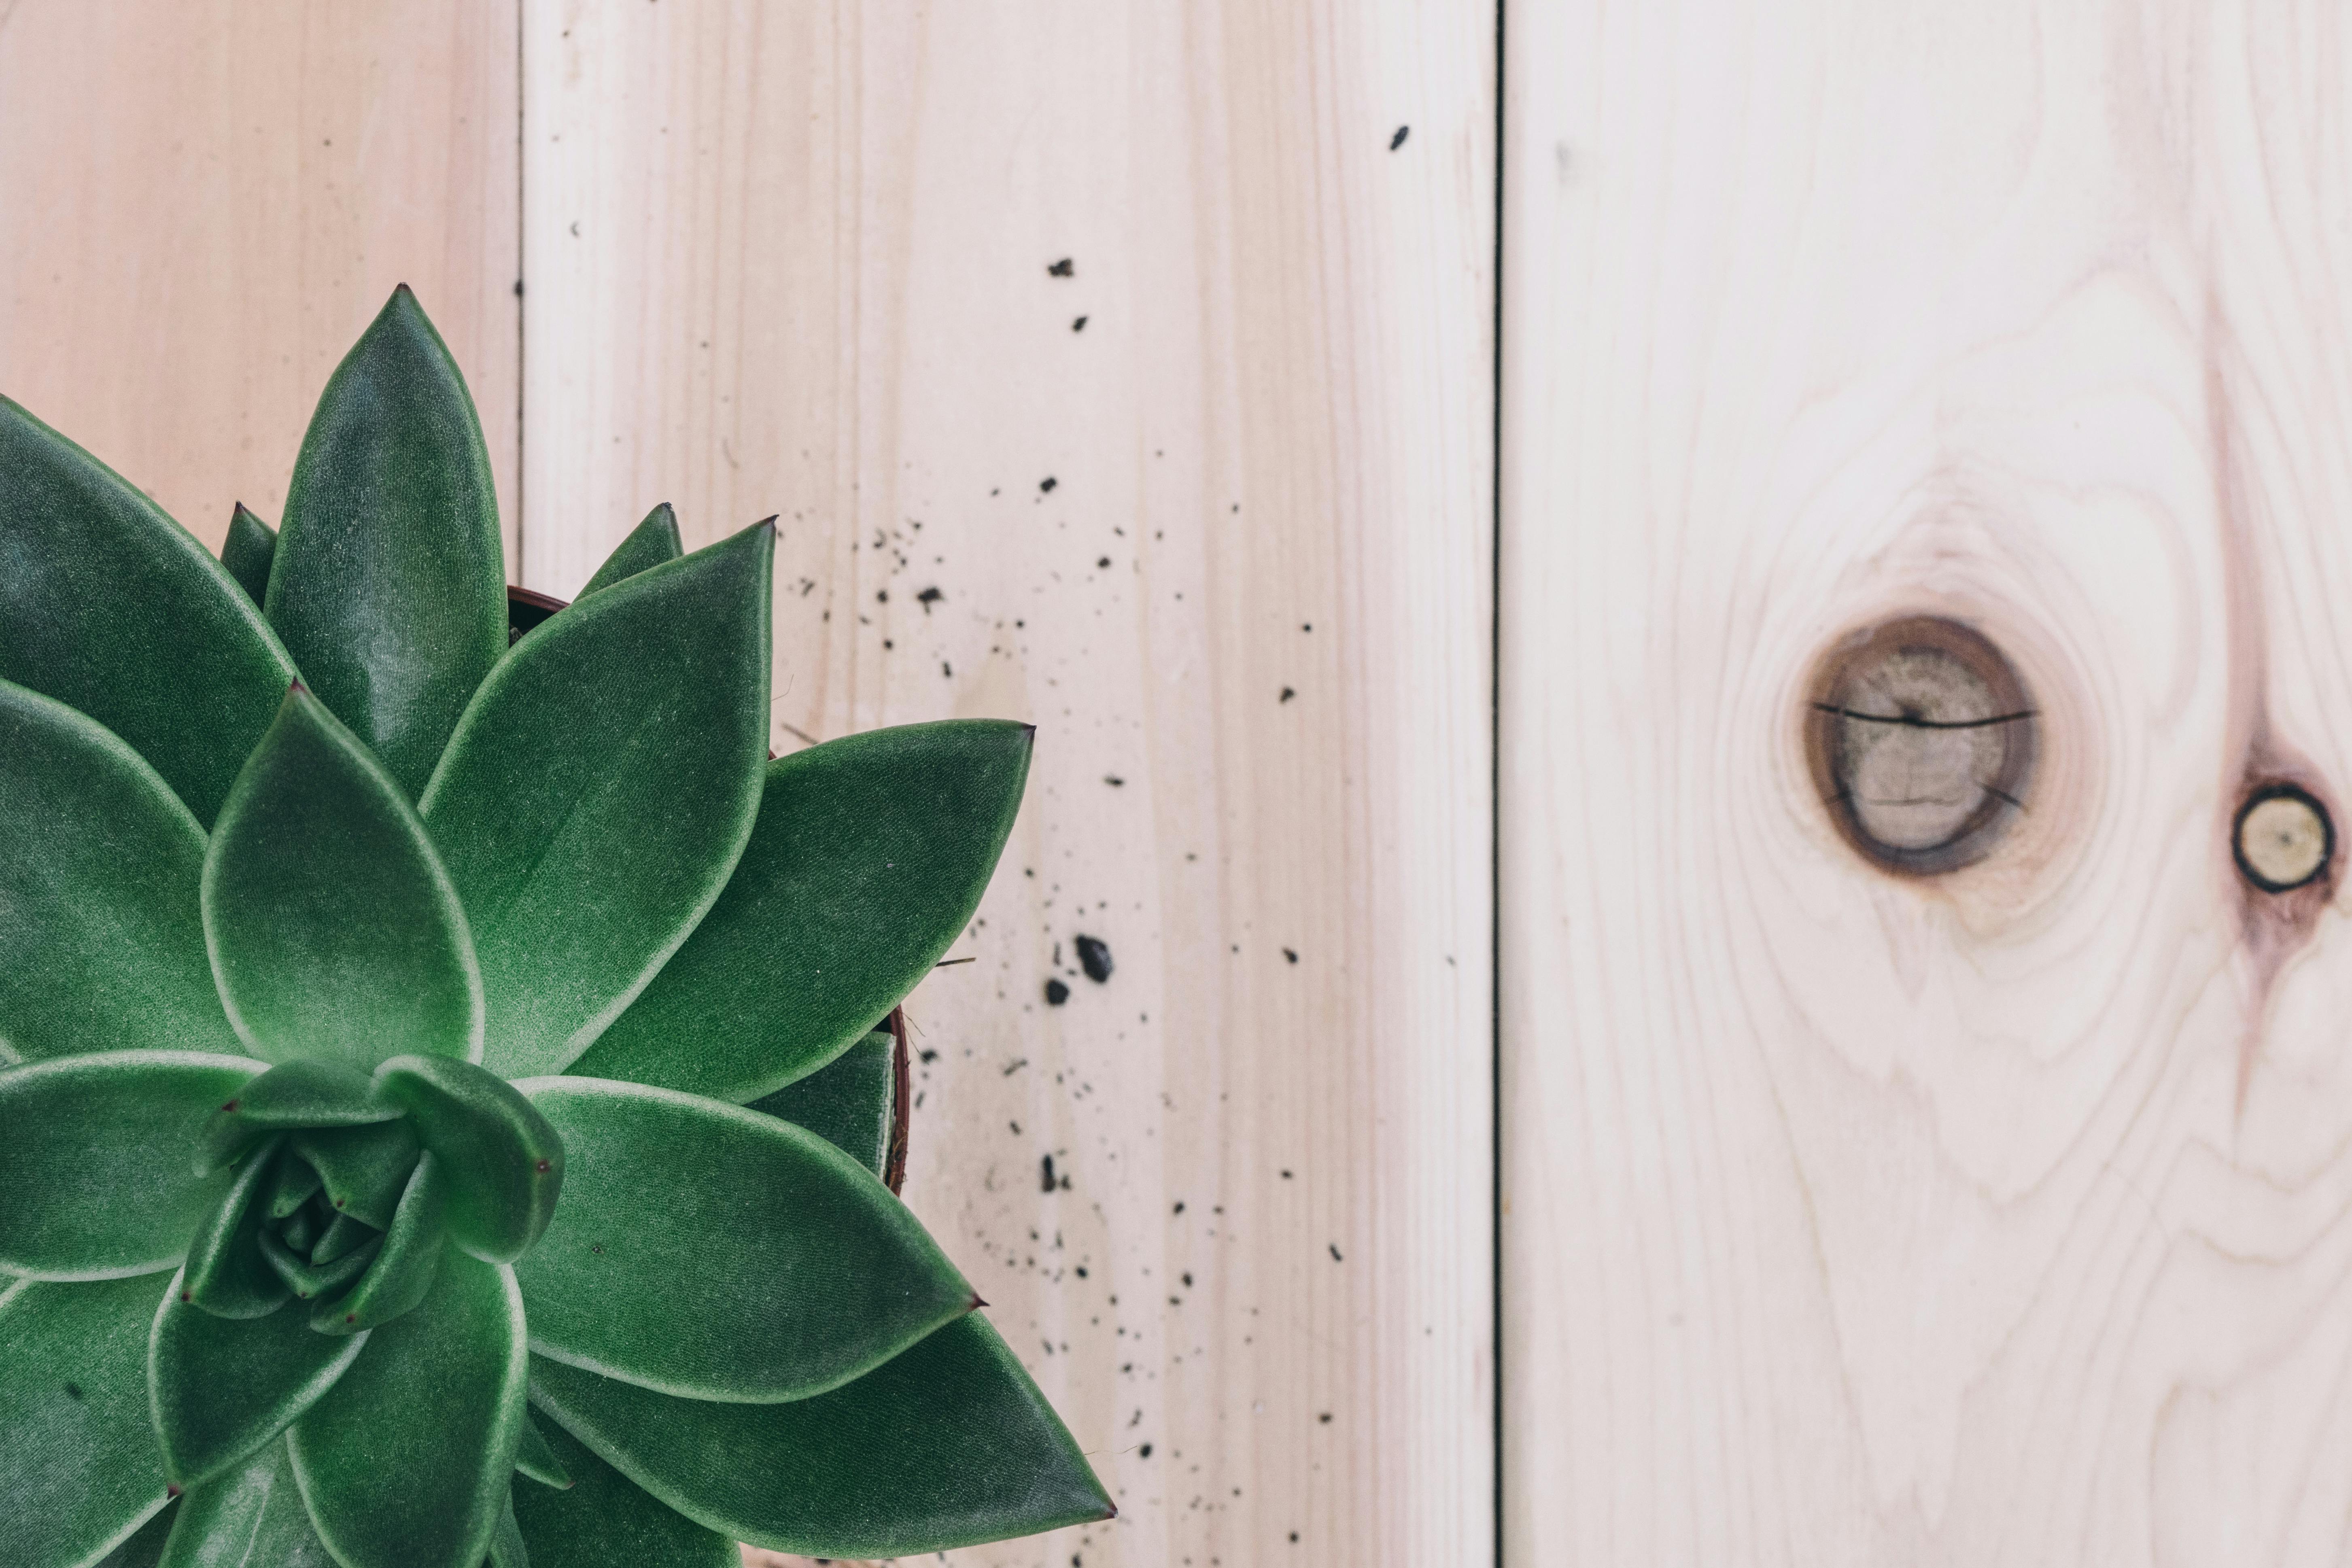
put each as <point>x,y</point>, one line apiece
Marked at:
<point>389,585</point>
<point>145,1548</point>
<point>607,1521</point>
<point>598,791</point>
<point>308,1092</point>
<point>411,1257</point>
<point>507,1548</point>
<point>78,1467</point>
<point>221,1387</point>
<point>714,1253</point>
<point>311,1281</point>
<point>847,1102</point>
<point>650,543</point>
<point>246,552</point>
<point>422,1490</point>
<point>505,1164</point>
<point>291,1186</point>
<point>950,1445</point>
<point>101,943</point>
<point>362,1170</point>
<point>225,1274</point>
<point>534,1459</point>
<point>112,609</point>
<point>345,1236</point>
<point>334,931</point>
<point>97,1158</point>
<point>870,855</point>
<point>252,1517</point>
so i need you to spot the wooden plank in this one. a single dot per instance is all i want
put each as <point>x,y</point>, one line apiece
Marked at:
<point>202,205</point>
<point>1226,543</point>
<point>1999,1216</point>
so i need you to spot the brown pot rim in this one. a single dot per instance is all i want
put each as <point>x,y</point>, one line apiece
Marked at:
<point>902,1109</point>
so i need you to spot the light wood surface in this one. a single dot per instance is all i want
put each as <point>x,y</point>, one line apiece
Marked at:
<point>799,260</point>
<point>203,204</point>
<point>1994,1218</point>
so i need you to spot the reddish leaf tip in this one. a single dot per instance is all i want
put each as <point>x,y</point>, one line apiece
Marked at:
<point>976,1303</point>
<point>188,1296</point>
<point>1111,1513</point>
<point>172,1490</point>
<point>351,1317</point>
<point>229,1106</point>
<point>543,1166</point>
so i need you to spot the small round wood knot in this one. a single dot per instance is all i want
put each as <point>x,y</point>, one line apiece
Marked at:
<point>1922,741</point>
<point>2282,839</point>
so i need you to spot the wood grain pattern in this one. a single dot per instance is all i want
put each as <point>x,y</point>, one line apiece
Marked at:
<point>1226,543</point>
<point>202,205</point>
<point>1995,1218</point>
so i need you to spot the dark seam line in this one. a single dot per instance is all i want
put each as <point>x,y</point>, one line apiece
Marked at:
<point>1495,782</point>
<point>1911,721</point>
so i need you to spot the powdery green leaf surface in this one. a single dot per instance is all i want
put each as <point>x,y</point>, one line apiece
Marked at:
<point>307,1093</point>
<point>947,1445</point>
<point>221,1387</point>
<point>504,1163</point>
<point>311,1281</point>
<point>847,1102</point>
<point>414,1254</point>
<point>389,583</point>
<point>112,609</point>
<point>599,789</point>
<point>425,1491</point>
<point>711,1252</point>
<point>225,1273</point>
<point>145,1547</point>
<point>252,1517</point>
<point>606,1520</point>
<point>363,1170</point>
<point>534,1459</point>
<point>80,1470</point>
<point>102,940</point>
<point>333,929</point>
<point>345,1236</point>
<point>247,550</point>
<point>650,543</point>
<point>98,1157</point>
<point>507,1548</point>
<point>870,854</point>
<point>293,1182</point>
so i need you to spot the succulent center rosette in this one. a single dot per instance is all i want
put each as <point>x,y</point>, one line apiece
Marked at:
<point>432,1055</point>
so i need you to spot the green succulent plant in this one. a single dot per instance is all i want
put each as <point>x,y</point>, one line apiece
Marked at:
<point>440,1112</point>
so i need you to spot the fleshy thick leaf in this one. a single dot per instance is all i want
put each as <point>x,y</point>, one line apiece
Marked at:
<point>246,552</point>
<point>848,1102</point>
<point>607,1521</point>
<point>98,1157</point>
<point>252,1517</point>
<point>389,585</point>
<point>334,931</point>
<point>649,544</point>
<point>343,1237</point>
<point>363,1170</point>
<point>411,1256</point>
<point>292,1184</point>
<point>870,854</point>
<point>947,1445</point>
<point>112,609</point>
<point>599,789</point>
<point>101,943</point>
<point>79,1466</point>
<point>311,1281</point>
<point>222,1387</point>
<point>507,1548</point>
<point>225,1274</point>
<point>145,1547</point>
<point>422,1490</point>
<point>305,1093</point>
<point>505,1164</point>
<point>534,1459</point>
<point>714,1253</point>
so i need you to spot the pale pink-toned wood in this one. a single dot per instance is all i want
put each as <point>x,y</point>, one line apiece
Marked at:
<point>2002,1218</point>
<point>799,260</point>
<point>202,205</point>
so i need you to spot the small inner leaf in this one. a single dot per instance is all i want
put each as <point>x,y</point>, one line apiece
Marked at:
<point>293,1184</point>
<point>341,1236</point>
<point>363,1169</point>
<point>246,552</point>
<point>225,1273</point>
<point>404,1268</point>
<point>309,1281</point>
<point>504,1162</point>
<point>309,1092</point>
<point>334,931</point>
<point>650,543</point>
<point>534,1459</point>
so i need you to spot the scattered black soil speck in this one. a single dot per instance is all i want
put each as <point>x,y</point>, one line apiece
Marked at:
<point>1047,1174</point>
<point>1079,325</point>
<point>1335,1253</point>
<point>1179,1207</point>
<point>1288,693</point>
<point>1048,484</point>
<point>1145,1450</point>
<point>1103,563</point>
<point>1114,781</point>
<point>1094,957</point>
<point>1056,993</point>
<point>931,1056</point>
<point>929,597</point>
<point>1291,953</point>
<point>1066,268</point>
<point>1397,141</point>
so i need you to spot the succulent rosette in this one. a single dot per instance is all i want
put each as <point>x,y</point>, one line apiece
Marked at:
<point>441,1115</point>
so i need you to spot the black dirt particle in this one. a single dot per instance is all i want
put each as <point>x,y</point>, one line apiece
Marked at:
<point>1047,1174</point>
<point>1079,325</point>
<point>1325,1418</point>
<point>1291,953</point>
<point>1335,1253</point>
<point>1094,957</point>
<point>1287,693</point>
<point>1066,268</point>
<point>1103,563</point>
<point>1397,141</point>
<point>929,597</point>
<point>1114,781</point>
<point>1056,993</point>
<point>1048,484</point>
<point>1145,1450</point>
